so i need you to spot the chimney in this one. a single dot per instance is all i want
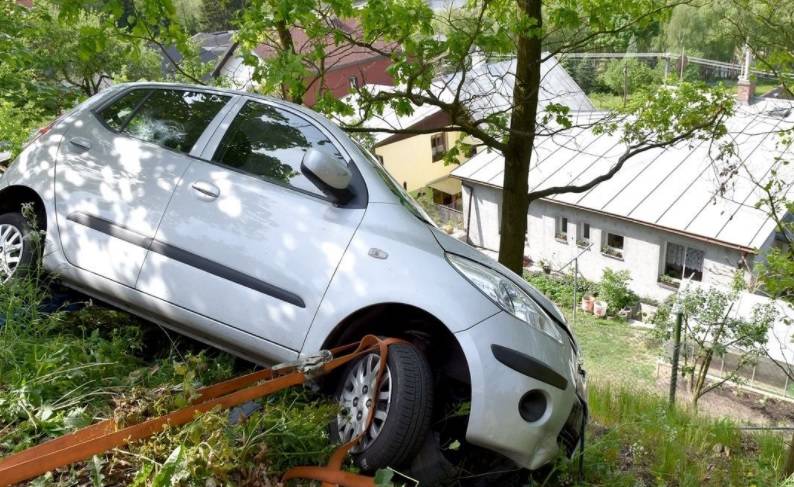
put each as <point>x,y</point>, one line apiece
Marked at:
<point>745,88</point>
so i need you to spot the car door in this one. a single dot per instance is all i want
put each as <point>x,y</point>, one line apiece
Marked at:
<point>118,168</point>
<point>248,240</point>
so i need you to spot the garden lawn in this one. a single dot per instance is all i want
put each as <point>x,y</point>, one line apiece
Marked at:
<point>614,352</point>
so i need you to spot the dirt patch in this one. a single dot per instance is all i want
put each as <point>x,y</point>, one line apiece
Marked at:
<point>728,401</point>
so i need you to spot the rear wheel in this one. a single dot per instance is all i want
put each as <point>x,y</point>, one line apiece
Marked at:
<point>403,407</point>
<point>18,253</point>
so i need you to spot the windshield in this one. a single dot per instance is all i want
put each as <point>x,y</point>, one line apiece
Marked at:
<point>405,199</point>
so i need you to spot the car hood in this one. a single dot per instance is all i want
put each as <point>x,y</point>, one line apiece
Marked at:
<point>455,246</point>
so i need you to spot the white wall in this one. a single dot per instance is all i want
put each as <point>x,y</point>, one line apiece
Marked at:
<point>642,252</point>
<point>239,74</point>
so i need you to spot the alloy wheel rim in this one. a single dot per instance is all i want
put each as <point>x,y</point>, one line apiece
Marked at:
<point>357,400</point>
<point>12,244</point>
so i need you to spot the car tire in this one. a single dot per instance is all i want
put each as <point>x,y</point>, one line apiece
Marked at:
<point>19,252</point>
<point>396,437</point>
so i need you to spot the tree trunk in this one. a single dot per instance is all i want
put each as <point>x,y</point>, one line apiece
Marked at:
<point>287,45</point>
<point>515,200</point>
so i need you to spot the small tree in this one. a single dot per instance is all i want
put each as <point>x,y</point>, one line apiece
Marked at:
<point>614,289</point>
<point>626,76</point>
<point>714,327</point>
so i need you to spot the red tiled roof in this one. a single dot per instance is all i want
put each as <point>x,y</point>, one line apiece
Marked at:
<point>337,55</point>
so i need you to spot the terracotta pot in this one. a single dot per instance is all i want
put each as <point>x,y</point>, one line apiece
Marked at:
<point>587,304</point>
<point>600,309</point>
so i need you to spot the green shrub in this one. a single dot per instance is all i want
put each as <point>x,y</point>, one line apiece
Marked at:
<point>632,73</point>
<point>17,125</point>
<point>560,288</point>
<point>614,289</point>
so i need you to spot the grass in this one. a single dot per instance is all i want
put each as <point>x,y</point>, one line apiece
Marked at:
<point>635,440</point>
<point>62,371</point>
<point>614,352</point>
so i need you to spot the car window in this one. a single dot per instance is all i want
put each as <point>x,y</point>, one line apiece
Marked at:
<point>174,118</point>
<point>117,113</point>
<point>269,143</point>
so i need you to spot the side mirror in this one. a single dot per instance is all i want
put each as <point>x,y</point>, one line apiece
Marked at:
<point>329,173</point>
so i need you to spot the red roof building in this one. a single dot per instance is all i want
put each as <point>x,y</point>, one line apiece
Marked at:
<point>345,65</point>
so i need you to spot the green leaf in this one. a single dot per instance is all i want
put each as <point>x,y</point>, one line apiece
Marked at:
<point>142,476</point>
<point>383,478</point>
<point>97,478</point>
<point>170,469</point>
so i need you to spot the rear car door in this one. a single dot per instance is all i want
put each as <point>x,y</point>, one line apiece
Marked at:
<point>117,169</point>
<point>248,240</point>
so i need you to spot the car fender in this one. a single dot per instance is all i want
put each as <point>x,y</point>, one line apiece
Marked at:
<point>394,258</point>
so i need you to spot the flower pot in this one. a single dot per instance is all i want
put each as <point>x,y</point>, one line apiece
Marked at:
<point>587,304</point>
<point>600,309</point>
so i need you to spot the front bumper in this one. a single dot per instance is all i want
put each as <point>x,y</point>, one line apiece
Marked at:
<point>507,359</point>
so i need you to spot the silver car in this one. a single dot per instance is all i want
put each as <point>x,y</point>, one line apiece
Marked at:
<point>259,227</point>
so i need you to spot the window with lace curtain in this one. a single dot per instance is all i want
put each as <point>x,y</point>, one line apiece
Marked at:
<point>683,262</point>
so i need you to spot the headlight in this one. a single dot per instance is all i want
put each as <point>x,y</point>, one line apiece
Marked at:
<point>506,294</point>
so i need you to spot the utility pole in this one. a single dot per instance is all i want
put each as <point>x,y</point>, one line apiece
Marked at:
<point>625,81</point>
<point>679,319</point>
<point>681,74</point>
<point>575,282</point>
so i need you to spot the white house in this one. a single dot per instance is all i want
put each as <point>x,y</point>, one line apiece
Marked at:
<point>661,217</point>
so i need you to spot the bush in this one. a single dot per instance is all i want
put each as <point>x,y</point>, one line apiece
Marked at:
<point>16,125</point>
<point>635,74</point>
<point>614,289</point>
<point>560,288</point>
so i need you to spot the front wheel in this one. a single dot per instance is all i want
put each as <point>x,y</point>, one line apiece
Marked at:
<point>402,407</point>
<point>17,248</point>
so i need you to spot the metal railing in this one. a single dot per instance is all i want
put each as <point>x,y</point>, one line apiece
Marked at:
<point>449,216</point>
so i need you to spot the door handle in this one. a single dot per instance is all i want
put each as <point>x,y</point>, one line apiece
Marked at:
<point>207,191</point>
<point>81,143</point>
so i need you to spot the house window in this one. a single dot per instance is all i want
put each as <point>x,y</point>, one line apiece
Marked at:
<point>583,237</point>
<point>561,228</point>
<point>681,261</point>
<point>613,245</point>
<point>353,82</point>
<point>438,145</point>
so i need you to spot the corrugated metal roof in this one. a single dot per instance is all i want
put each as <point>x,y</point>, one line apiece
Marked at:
<point>675,188</point>
<point>487,89</point>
